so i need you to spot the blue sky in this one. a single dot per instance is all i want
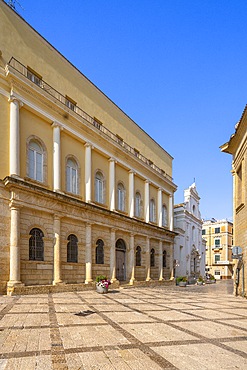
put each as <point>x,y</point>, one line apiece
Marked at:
<point>176,67</point>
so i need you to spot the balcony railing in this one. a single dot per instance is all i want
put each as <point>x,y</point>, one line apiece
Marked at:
<point>20,68</point>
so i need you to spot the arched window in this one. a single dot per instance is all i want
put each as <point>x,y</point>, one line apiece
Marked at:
<point>36,245</point>
<point>152,211</point>
<point>120,197</point>
<point>138,256</point>
<point>72,176</point>
<point>193,233</point>
<point>72,248</point>
<point>152,259</point>
<point>99,187</point>
<point>164,215</point>
<point>35,161</point>
<point>194,209</point>
<point>100,252</point>
<point>164,259</point>
<point>138,204</point>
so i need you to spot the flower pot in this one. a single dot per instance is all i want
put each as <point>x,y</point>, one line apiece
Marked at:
<point>199,282</point>
<point>182,283</point>
<point>100,289</point>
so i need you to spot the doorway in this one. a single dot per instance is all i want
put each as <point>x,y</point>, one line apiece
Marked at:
<point>120,260</point>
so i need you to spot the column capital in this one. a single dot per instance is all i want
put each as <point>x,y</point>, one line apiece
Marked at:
<point>88,145</point>
<point>132,172</point>
<point>112,160</point>
<point>147,181</point>
<point>14,98</point>
<point>57,124</point>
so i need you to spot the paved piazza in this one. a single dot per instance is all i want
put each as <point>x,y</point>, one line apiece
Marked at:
<point>190,328</point>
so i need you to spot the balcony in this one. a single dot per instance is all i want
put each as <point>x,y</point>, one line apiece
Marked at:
<point>48,89</point>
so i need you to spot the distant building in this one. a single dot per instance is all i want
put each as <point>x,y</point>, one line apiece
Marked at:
<point>237,146</point>
<point>189,247</point>
<point>218,236</point>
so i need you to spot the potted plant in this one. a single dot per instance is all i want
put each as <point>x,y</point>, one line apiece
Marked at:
<point>102,284</point>
<point>182,280</point>
<point>212,279</point>
<point>200,280</point>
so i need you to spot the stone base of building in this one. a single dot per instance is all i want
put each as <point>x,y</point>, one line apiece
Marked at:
<point>44,289</point>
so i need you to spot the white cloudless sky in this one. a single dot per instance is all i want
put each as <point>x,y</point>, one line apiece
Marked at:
<point>176,67</point>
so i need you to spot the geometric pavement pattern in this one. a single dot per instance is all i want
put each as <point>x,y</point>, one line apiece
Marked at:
<point>192,328</point>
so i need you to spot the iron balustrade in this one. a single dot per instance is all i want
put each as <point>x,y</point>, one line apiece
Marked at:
<point>23,70</point>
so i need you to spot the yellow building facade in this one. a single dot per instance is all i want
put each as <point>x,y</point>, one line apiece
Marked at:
<point>218,235</point>
<point>237,147</point>
<point>83,189</point>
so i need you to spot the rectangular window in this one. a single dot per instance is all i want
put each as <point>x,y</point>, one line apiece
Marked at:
<point>70,103</point>
<point>203,231</point>
<point>34,76</point>
<point>217,230</point>
<point>217,272</point>
<point>217,242</point>
<point>217,258</point>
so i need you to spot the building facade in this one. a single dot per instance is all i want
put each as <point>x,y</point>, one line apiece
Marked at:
<point>218,235</point>
<point>236,146</point>
<point>189,247</point>
<point>83,190</point>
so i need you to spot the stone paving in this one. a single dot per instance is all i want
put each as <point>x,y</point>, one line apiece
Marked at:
<point>192,328</point>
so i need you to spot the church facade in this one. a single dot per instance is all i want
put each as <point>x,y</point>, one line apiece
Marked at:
<point>83,189</point>
<point>189,247</point>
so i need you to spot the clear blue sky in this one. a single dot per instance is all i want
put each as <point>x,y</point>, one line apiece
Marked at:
<point>176,67</point>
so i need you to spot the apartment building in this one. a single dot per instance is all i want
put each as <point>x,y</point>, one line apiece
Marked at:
<point>218,235</point>
<point>83,189</point>
<point>237,147</point>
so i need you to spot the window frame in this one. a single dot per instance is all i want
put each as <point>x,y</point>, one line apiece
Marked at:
<point>138,256</point>
<point>72,186</point>
<point>99,187</point>
<point>72,249</point>
<point>152,210</point>
<point>121,197</point>
<point>152,257</point>
<point>33,162</point>
<point>36,245</point>
<point>99,252</point>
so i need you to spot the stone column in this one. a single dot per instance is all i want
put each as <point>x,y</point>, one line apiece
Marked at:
<point>56,157</point>
<point>171,206</point>
<point>131,193</point>
<point>160,260</point>
<point>14,136</point>
<point>132,259</point>
<point>160,207</point>
<point>14,266</point>
<point>113,256</point>
<point>57,251</point>
<point>88,172</point>
<point>88,254</point>
<point>171,262</point>
<point>147,200</point>
<point>148,259</point>
<point>112,184</point>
